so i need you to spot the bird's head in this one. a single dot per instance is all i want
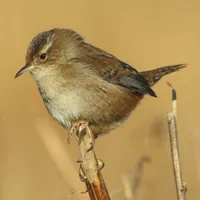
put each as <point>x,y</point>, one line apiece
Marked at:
<point>49,49</point>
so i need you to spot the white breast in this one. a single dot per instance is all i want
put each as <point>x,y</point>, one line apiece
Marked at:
<point>63,102</point>
<point>65,107</point>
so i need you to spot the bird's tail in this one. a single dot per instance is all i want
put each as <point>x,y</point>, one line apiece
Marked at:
<point>153,76</point>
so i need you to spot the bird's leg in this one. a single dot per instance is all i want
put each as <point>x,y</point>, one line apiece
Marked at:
<point>75,129</point>
<point>92,139</point>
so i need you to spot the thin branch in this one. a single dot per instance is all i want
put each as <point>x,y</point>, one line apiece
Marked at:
<point>89,167</point>
<point>172,124</point>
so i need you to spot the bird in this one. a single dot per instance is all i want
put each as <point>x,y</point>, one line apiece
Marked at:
<point>79,81</point>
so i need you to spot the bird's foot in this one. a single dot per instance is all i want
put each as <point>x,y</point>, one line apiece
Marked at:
<point>100,163</point>
<point>75,129</point>
<point>82,175</point>
<point>92,138</point>
<point>100,166</point>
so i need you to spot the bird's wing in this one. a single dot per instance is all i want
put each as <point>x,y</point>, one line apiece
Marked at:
<point>116,72</point>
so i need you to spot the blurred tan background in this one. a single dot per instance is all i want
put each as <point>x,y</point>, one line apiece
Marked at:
<point>36,162</point>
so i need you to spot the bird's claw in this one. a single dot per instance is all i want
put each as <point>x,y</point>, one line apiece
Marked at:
<point>82,176</point>
<point>92,139</point>
<point>79,161</point>
<point>84,192</point>
<point>100,164</point>
<point>75,129</point>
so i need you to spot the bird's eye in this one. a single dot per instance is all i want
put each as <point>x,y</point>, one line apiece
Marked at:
<point>43,56</point>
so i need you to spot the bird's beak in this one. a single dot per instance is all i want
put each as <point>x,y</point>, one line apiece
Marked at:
<point>23,69</point>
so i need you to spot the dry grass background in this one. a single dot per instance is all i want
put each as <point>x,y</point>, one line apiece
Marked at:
<point>36,163</point>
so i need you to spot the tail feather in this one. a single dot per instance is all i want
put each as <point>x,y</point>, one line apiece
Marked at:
<point>153,76</point>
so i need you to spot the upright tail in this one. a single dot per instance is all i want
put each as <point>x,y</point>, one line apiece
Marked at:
<point>153,76</point>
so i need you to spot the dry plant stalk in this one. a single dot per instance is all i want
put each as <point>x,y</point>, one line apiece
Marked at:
<point>132,184</point>
<point>172,124</point>
<point>94,182</point>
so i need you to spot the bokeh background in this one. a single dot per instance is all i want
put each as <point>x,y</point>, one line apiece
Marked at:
<point>35,160</point>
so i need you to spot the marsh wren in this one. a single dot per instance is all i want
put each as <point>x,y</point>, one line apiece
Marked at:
<point>79,81</point>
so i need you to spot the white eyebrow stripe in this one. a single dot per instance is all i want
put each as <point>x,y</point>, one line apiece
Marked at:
<point>48,45</point>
